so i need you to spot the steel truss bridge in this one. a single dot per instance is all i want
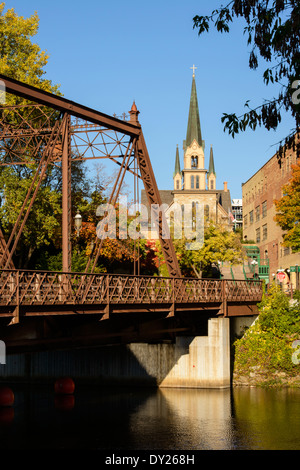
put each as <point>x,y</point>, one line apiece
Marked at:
<point>67,308</point>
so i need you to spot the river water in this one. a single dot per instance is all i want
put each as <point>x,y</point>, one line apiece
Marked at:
<point>118,419</point>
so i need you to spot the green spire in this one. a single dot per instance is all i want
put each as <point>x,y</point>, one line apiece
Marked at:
<point>193,128</point>
<point>177,162</point>
<point>211,168</point>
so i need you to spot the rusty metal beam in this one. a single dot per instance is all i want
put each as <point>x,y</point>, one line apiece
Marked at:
<point>66,197</point>
<point>35,184</point>
<point>155,203</point>
<point>66,106</point>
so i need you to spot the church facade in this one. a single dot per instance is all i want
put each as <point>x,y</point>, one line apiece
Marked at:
<point>194,185</point>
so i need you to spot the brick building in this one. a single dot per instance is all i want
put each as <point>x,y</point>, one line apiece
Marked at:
<point>263,235</point>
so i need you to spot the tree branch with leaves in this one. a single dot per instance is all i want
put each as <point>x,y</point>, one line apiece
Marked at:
<point>273,30</point>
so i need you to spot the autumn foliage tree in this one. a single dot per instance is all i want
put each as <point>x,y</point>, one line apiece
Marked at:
<point>288,210</point>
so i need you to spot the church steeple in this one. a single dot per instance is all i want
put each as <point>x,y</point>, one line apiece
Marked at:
<point>177,162</point>
<point>193,128</point>
<point>211,177</point>
<point>177,171</point>
<point>211,168</point>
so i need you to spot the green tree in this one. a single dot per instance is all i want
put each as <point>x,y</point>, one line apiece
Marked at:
<point>268,343</point>
<point>220,245</point>
<point>273,32</point>
<point>288,210</point>
<point>20,58</point>
<point>23,60</point>
<point>42,227</point>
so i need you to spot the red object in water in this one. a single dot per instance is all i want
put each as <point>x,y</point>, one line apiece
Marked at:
<point>7,414</point>
<point>7,396</point>
<point>64,402</point>
<point>64,386</point>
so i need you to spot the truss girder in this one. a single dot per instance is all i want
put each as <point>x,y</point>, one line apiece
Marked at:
<point>48,140</point>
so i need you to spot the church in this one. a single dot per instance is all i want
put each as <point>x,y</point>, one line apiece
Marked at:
<point>194,184</point>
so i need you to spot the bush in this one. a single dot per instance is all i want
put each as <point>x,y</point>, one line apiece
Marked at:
<point>268,343</point>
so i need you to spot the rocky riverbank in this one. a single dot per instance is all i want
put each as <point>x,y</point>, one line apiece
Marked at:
<point>258,376</point>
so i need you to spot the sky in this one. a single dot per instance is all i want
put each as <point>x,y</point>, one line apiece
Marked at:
<point>107,54</point>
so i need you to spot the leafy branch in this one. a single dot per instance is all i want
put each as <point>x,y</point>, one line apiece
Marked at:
<point>273,32</point>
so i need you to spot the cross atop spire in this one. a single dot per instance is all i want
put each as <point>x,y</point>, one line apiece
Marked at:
<point>193,68</point>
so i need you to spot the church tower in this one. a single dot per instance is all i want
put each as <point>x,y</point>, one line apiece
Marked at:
<point>211,177</point>
<point>194,173</point>
<point>177,173</point>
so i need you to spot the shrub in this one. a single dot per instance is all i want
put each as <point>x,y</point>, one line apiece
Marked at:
<point>268,343</point>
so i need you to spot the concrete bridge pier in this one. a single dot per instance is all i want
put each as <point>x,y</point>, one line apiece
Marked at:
<point>189,362</point>
<point>192,362</point>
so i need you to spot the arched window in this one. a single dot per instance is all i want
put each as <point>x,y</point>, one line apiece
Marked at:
<point>197,182</point>
<point>192,182</point>
<point>177,184</point>
<point>194,162</point>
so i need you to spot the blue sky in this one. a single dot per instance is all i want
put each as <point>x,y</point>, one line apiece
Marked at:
<point>105,54</point>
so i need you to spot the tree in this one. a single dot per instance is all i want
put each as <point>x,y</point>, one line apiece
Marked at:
<point>273,30</point>
<point>42,228</point>
<point>288,210</point>
<point>268,344</point>
<point>19,57</point>
<point>220,245</point>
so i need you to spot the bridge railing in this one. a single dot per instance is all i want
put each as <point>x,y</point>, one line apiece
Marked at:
<point>20,287</point>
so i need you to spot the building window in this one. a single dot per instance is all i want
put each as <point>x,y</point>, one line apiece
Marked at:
<point>264,209</point>
<point>192,182</point>
<point>251,217</point>
<point>177,184</point>
<point>257,213</point>
<point>245,221</point>
<point>265,232</point>
<point>286,250</point>
<point>257,235</point>
<point>194,162</point>
<point>211,184</point>
<point>197,182</point>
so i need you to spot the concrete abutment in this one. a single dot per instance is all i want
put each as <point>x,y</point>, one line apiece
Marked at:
<point>189,362</point>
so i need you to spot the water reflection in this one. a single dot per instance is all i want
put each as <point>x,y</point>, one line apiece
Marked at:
<point>184,419</point>
<point>149,419</point>
<point>269,418</point>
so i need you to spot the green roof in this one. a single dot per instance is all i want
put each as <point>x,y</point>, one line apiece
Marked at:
<point>193,128</point>
<point>177,162</point>
<point>211,168</point>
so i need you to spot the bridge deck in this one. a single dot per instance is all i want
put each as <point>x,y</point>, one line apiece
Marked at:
<point>36,291</point>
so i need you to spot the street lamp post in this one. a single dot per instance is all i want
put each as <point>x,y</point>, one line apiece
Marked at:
<point>78,223</point>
